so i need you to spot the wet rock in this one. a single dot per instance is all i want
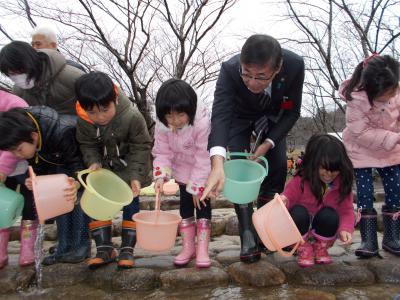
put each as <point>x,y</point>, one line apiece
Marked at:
<point>218,226</point>
<point>64,274</point>
<point>50,232</point>
<point>221,203</point>
<point>336,251</point>
<point>136,279</point>
<point>156,262</point>
<point>306,294</point>
<point>25,277</point>
<point>228,257</point>
<point>387,271</point>
<point>260,274</point>
<point>110,278</point>
<point>194,278</point>
<point>8,283</point>
<point>331,275</point>
<point>232,226</point>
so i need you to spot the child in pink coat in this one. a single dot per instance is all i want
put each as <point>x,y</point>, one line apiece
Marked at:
<point>372,140</point>
<point>8,168</point>
<point>180,151</point>
<point>320,199</point>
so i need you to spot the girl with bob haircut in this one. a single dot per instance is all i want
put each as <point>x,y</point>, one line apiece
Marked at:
<point>180,151</point>
<point>320,199</point>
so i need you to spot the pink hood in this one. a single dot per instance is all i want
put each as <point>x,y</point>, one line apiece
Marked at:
<point>372,134</point>
<point>8,101</point>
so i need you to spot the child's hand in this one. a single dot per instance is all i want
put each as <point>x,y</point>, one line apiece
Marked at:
<point>158,185</point>
<point>197,201</point>
<point>135,186</point>
<point>345,237</point>
<point>71,191</point>
<point>284,199</point>
<point>3,177</point>
<point>28,183</point>
<point>94,167</point>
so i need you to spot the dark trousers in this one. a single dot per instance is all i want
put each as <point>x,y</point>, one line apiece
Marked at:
<point>186,207</point>
<point>365,186</point>
<point>129,210</point>
<point>239,141</point>
<point>325,222</point>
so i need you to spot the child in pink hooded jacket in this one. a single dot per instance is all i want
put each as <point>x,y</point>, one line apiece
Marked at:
<point>372,140</point>
<point>180,151</point>
<point>8,162</point>
<point>8,165</point>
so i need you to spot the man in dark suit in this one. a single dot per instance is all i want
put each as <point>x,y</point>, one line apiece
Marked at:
<point>258,90</point>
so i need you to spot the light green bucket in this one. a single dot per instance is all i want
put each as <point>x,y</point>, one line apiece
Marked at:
<point>243,178</point>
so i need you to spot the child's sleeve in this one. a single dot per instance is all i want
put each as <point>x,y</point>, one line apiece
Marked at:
<point>71,154</point>
<point>292,191</point>
<point>346,214</point>
<point>162,154</point>
<point>89,146</point>
<point>202,164</point>
<point>358,123</point>
<point>8,162</point>
<point>138,157</point>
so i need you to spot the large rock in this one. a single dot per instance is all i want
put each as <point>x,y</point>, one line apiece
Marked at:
<point>218,226</point>
<point>12,278</point>
<point>386,271</point>
<point>232,226</point>
<point>64,274</point>
<point>260,274</point>
<point>228,257</point>
<point>329,275</point>
<point>307,294</point>
<point>194,278</point>
<point>109,278</point>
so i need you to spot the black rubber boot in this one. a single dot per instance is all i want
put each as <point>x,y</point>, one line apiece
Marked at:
<point>101,233</point>
<point>368,230</point>
<point>64,239</point>
<point>80,236</point>
<point>261,201</point>
<point>126,259</point>
<point>391,227</point>
<point>249,251</point>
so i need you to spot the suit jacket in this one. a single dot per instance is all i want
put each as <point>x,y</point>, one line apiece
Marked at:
<point>233,101</point>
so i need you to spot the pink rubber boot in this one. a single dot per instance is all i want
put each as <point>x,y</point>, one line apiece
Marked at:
<point>203,239</point>
<point>305,253</point>
<point>187,229</point>
<point>321,246</point>
<point>28,237</point>
<point>4,236</point>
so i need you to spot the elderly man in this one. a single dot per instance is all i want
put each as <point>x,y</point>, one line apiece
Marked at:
<point>45,38</point>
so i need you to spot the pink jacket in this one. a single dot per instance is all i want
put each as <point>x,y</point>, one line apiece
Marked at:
<point>307,199</point>
<point>8,161</point>
<point>183,155</point>
<point>371,136</point>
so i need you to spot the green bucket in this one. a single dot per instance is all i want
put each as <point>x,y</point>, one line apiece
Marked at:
<point>243,178</point>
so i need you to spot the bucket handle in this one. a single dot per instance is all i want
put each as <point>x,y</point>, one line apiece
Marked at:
<point>245,154</point>
<point>79,176</point>
<point>31,173</point>
<point>275,243</point>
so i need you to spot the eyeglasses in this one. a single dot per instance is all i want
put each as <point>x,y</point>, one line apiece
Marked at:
<point>260,79</point>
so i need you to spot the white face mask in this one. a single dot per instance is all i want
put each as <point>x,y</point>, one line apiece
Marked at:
<point>21,80</point>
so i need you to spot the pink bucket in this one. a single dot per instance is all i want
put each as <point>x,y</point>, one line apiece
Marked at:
<point>156,230</point>
<point>48,195</point>
<point>276,228</point>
